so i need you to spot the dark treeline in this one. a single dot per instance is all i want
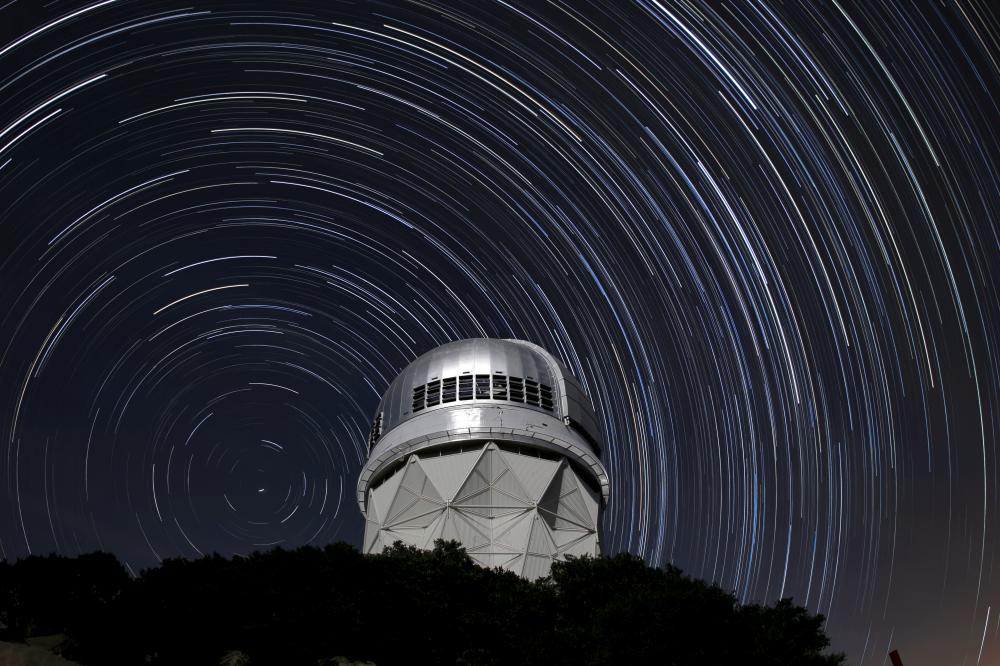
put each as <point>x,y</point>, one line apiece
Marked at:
<point>402,607</point>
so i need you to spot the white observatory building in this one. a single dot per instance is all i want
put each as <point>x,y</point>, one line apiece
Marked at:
<point>492,443</point>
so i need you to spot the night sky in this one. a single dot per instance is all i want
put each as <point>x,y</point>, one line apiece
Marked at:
<point>763,235</point>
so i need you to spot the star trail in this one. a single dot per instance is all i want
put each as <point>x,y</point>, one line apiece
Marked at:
<point>763,236</point>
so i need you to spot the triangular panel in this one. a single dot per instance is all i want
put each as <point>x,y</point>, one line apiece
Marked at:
<point>508,482</point>
<point>372,526</point>
<point>536,566</point>
<point>433,531</point>
<point>447,472</point>
<point>564,537</point>
<point>514,564</point>
<point>562,505</point>
<point>372,514</point>
<point>468,533</point>
<point>477,480</point>
<point>497,464</point>
<point>539,540</point>
<point>573,503</point>
<point>421,514</point>
<point>415,480</point>
<point>449,531</point>
<point>534,473</point>
<point>383,495</point>
<point>477,503</point>
<point>416,495</point>
<point>593,502</point>
<point>371,535</point>
<point>586,545</point>
<point>515,534</point>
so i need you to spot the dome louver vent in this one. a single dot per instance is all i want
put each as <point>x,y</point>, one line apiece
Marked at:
<point>481,387</point>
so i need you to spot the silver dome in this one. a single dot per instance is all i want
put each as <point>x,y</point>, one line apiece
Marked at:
<point>502,361</point>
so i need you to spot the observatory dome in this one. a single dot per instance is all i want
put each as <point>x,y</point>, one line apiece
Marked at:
<point>500,436</point>
<point>491,370</point>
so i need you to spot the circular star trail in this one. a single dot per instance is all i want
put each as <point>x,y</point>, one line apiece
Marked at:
<point>763,235</point>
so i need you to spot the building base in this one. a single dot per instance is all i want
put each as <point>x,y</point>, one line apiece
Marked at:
<point>510,506</point>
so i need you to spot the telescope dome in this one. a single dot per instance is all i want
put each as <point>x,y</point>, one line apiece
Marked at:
<point>490,442</point>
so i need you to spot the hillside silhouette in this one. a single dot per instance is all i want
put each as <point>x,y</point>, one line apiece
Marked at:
<point>309,606</point>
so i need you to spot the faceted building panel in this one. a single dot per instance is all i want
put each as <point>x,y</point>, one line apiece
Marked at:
<point>449,474</point>
<point>491,515</point>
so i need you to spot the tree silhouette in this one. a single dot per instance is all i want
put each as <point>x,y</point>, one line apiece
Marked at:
<point>404,606</point>
<point>46,595</point>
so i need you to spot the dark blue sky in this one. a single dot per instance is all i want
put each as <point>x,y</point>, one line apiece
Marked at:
<point>763,235</point>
